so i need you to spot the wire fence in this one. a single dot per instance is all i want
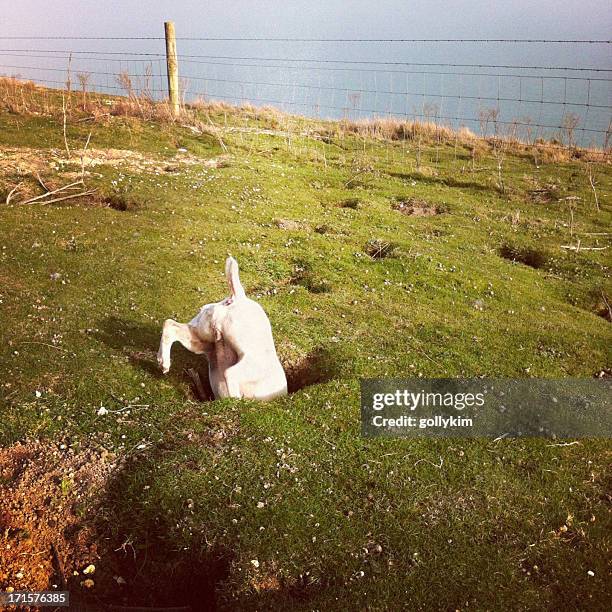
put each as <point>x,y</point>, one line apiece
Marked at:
<point>356,79</point>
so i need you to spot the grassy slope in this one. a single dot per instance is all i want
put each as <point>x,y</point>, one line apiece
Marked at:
<point>481,530</point>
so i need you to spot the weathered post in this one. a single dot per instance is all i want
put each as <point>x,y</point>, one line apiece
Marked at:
<point>172,65</point>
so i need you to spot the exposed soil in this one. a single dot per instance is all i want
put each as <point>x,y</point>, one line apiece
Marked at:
<point>379,249</point>
<point>290,224</point>
<point>26,161</point>
<point>544,194</point>
<point>416,207</point>
<point>46,538</point>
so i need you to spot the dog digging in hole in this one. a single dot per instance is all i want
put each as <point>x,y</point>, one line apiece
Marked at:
<point>236,337</point>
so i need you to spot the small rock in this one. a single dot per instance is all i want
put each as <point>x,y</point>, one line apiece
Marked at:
<point>255,563</point>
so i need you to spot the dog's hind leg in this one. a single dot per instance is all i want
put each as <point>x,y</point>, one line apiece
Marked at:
<point>173,332</point>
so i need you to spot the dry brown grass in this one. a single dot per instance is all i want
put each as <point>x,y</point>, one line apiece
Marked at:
<point>395,129</point>
<point>25,97</point>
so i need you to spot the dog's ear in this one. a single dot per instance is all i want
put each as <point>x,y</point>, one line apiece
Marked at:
<point>233,279</point>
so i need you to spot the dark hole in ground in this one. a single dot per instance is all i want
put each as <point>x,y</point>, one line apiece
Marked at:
<point>318,366</point>
<point>603,306</point>
<point>139,340</point>
<point>534,258</point>
<point>353,203</point>
<point>122,202</point>
<point>304,276</point>
<point>379,249</point>
<point>417,207</point>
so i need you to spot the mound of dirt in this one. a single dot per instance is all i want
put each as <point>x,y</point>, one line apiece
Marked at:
<point>45,538</point>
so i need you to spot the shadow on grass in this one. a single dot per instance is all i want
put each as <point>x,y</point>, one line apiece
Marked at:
<point>144,560</point>
<point>449,181</point>
<point>139,341</point>
<point>140,562</point>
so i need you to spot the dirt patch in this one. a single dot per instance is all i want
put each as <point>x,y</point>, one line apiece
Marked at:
<point>353,203</point>
<point>27,161</point>
<point>380,249</point>
<point>544,194</point>
<point>46,540</point>
<point>290,224</point>
<point>534,258</point>
<point>416,207</point>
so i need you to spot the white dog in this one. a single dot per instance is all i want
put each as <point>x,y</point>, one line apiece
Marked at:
<point>236,337</point>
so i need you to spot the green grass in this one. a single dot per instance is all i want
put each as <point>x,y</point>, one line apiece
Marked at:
<point>333,520</point>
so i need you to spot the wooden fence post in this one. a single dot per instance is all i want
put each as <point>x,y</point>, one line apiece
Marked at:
<point>172,65</point>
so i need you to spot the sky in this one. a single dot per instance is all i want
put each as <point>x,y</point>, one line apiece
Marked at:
<point>312,18</point>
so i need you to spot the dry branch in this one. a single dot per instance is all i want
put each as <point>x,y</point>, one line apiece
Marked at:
<point>11,192</point>
<point>68,197</point>
<point>44,195</point>
<point>574,247</point>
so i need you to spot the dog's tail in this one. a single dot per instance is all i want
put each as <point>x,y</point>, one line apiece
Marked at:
<point>233,280</point>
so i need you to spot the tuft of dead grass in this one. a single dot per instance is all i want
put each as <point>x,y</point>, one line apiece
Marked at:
<point>25,97</point>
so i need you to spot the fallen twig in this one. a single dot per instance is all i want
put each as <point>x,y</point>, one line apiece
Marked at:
<point>430,462</point>
<point>92,118</point>
<point>11,192</point>
<point>573,247</point>
<point>41,182</point>
<point>82,194</point>
<point>44,195</point>
<point>59,348</point>
<point>565,443</point>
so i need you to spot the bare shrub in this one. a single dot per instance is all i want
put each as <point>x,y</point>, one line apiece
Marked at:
<point>486,116</point>
<point>569,124</point>
<point>83,78</point>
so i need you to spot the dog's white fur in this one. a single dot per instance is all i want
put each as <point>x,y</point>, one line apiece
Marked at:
<point>236,337</point>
